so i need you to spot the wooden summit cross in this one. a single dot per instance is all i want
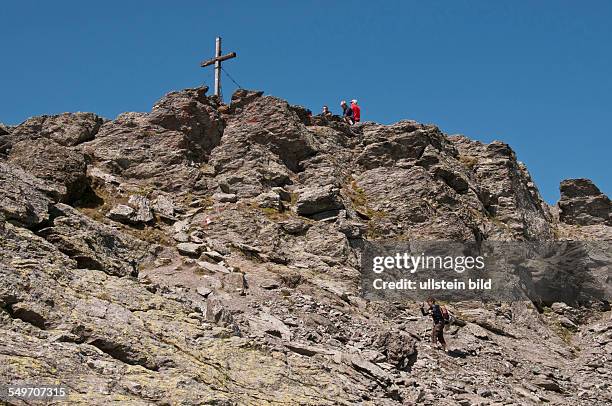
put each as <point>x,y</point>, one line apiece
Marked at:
<point>217,61</point>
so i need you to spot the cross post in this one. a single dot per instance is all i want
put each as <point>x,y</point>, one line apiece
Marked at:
<point>217,62</point>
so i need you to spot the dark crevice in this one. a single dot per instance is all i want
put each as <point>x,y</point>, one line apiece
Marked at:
<point>27,316</point>
<point>84,262</point>
<point>31,317</point>
<point>274,333</point>
<point>36,228</point>
<point>99,122</point>
<point>8,307</point>
<point>88,199</point>
<point>324,215</point>
<point>123,354</point>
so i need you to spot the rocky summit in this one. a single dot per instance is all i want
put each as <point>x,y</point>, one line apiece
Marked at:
<point>209,254</point>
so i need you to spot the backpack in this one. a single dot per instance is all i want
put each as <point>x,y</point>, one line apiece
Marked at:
<point>445,315</point>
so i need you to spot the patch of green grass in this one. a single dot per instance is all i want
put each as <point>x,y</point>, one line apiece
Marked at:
<point>499,223</point>
<point>143,190</point>
<point>269,210</point>
<point>468,161</point>
<point>565,334</point>
<point>150,234</point>
<point>357,195</point>
<point>294,198</point>
<point>104,296</point>
<point>358,198</point>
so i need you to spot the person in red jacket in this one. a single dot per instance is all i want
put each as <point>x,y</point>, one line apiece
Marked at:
<point>356,111</point>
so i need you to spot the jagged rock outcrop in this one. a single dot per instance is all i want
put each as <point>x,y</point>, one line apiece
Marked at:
<point>60,165</point>
<point>205,253</point>
<point>163,149</point>
<point>4,130</point>
<point>193,114</point>
<point>582,203</point>
<point>506,189</point>
<point>262,147</point>
<point>24,198</point>
<point>68,129</point>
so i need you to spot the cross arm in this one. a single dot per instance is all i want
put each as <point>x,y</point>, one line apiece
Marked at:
<point>218,59</point>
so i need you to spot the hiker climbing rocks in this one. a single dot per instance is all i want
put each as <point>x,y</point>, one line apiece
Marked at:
<point>356,111</point>
<point>347,113</point>
<point>437,313</point>
<point>326,112</point>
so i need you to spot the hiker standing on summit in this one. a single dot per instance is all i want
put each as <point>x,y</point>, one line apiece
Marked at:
<point>439,320</point>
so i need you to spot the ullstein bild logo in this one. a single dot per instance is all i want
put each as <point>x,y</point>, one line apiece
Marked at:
<point>568,271</point>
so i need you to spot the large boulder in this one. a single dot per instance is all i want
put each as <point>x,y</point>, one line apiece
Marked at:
<point>582,203</point>
<point>24,198</point>
<point>67,129</point>
<point>398,346</point>
<point>317,200</point>
<point>137,211</point>
<point>53,162</point>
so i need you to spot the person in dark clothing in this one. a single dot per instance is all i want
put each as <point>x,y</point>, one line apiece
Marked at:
<point>437,332</point>
<point>326,112</point>
<point>347,113</point>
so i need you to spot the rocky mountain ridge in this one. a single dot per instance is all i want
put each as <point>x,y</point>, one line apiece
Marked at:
<point>206,253</point>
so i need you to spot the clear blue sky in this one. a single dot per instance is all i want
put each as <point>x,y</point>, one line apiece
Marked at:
<point>535,74</point>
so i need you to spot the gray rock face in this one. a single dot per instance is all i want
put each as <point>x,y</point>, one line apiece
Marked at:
<point>68,129</point>
<point>24,199</point>
<point>91,329</point>
<point>228,271</point>
<point>122,213</point>
<point>53,162</point>
<point>582,203</point>
<point>262,145</point>
<point>191,112</point>
<point>94,245</point>
<point>406,140</point>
